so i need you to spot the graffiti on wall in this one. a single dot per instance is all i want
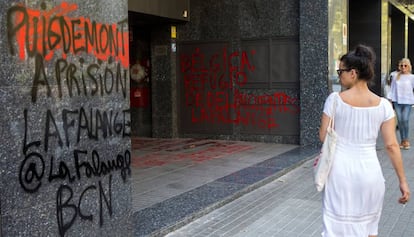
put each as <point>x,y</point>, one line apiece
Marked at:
<point>74,58</point>
<point>46,35</point>
<point>212,83</point>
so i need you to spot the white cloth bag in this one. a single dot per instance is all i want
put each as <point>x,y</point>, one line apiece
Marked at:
<point>323,162</point>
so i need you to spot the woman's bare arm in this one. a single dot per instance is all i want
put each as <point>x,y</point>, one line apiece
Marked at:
<point>394,153</point>
<point>324,125</point>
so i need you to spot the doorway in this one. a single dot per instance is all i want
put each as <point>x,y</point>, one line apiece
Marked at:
<point>140,83</point>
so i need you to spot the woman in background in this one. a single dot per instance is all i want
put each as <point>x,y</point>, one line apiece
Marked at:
<point>402,97</point>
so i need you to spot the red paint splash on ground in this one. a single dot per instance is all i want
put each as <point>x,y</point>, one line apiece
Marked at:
<point>158,152</point>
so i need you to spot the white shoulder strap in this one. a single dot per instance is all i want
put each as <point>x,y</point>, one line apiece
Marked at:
<point>332,120</point>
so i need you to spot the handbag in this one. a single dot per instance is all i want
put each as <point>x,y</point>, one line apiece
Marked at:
<point>323,161</point>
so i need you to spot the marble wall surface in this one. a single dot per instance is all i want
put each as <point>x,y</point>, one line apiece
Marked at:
<point>65,148</point>
<point>234,23</point>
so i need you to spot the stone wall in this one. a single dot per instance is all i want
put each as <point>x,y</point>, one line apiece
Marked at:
<point>162,82</point>
<point>252,29</point>
<point>238,22</point>
<point>314,63</point>
<point>65,149</point>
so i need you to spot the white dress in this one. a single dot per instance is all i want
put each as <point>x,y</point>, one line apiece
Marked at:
<point>354,192</point>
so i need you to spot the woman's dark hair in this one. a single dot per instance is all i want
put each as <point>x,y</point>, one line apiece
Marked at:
<point>362,59</point>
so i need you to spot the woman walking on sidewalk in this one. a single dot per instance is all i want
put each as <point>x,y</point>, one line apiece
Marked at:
<point>354,192</point>
<point>402,97</point>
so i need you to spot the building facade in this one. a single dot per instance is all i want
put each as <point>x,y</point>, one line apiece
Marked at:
<point>80,78</point>
<point>235,70</point>
<point>256,71</point>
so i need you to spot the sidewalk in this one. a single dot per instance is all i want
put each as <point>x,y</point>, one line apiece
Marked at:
<point>175,181</point>
<point>291,207</point>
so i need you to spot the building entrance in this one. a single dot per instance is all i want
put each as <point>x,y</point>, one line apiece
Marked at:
<point>140,83</point>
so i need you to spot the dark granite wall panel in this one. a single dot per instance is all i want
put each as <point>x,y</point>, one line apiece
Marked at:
<point>162,82</point>
<point>218,19</point>
<point>65,124</point>
<point>269,18</point>
<point>313,67</point>
<point>238,23</point>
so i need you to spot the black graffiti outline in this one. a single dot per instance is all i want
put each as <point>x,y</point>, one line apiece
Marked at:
<point>77,209</point>
<point>30,174</point>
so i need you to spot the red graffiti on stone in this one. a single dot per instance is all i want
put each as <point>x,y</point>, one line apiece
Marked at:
<point>213,86</point>
<point>53,32</point>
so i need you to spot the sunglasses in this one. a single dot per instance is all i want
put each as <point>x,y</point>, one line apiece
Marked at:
<point>403,65</point>
<point>340,71</point>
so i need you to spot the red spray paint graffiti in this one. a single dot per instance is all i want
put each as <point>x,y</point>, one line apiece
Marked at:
<point>211,91</point>
<point>51,34</point>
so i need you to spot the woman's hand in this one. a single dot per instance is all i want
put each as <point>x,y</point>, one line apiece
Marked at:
<point>405,191</point>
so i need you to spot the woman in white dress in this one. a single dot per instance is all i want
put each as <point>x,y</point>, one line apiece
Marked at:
<point>354,192</point>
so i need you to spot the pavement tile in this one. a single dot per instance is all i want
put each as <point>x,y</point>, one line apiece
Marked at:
<point>289,206</point>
